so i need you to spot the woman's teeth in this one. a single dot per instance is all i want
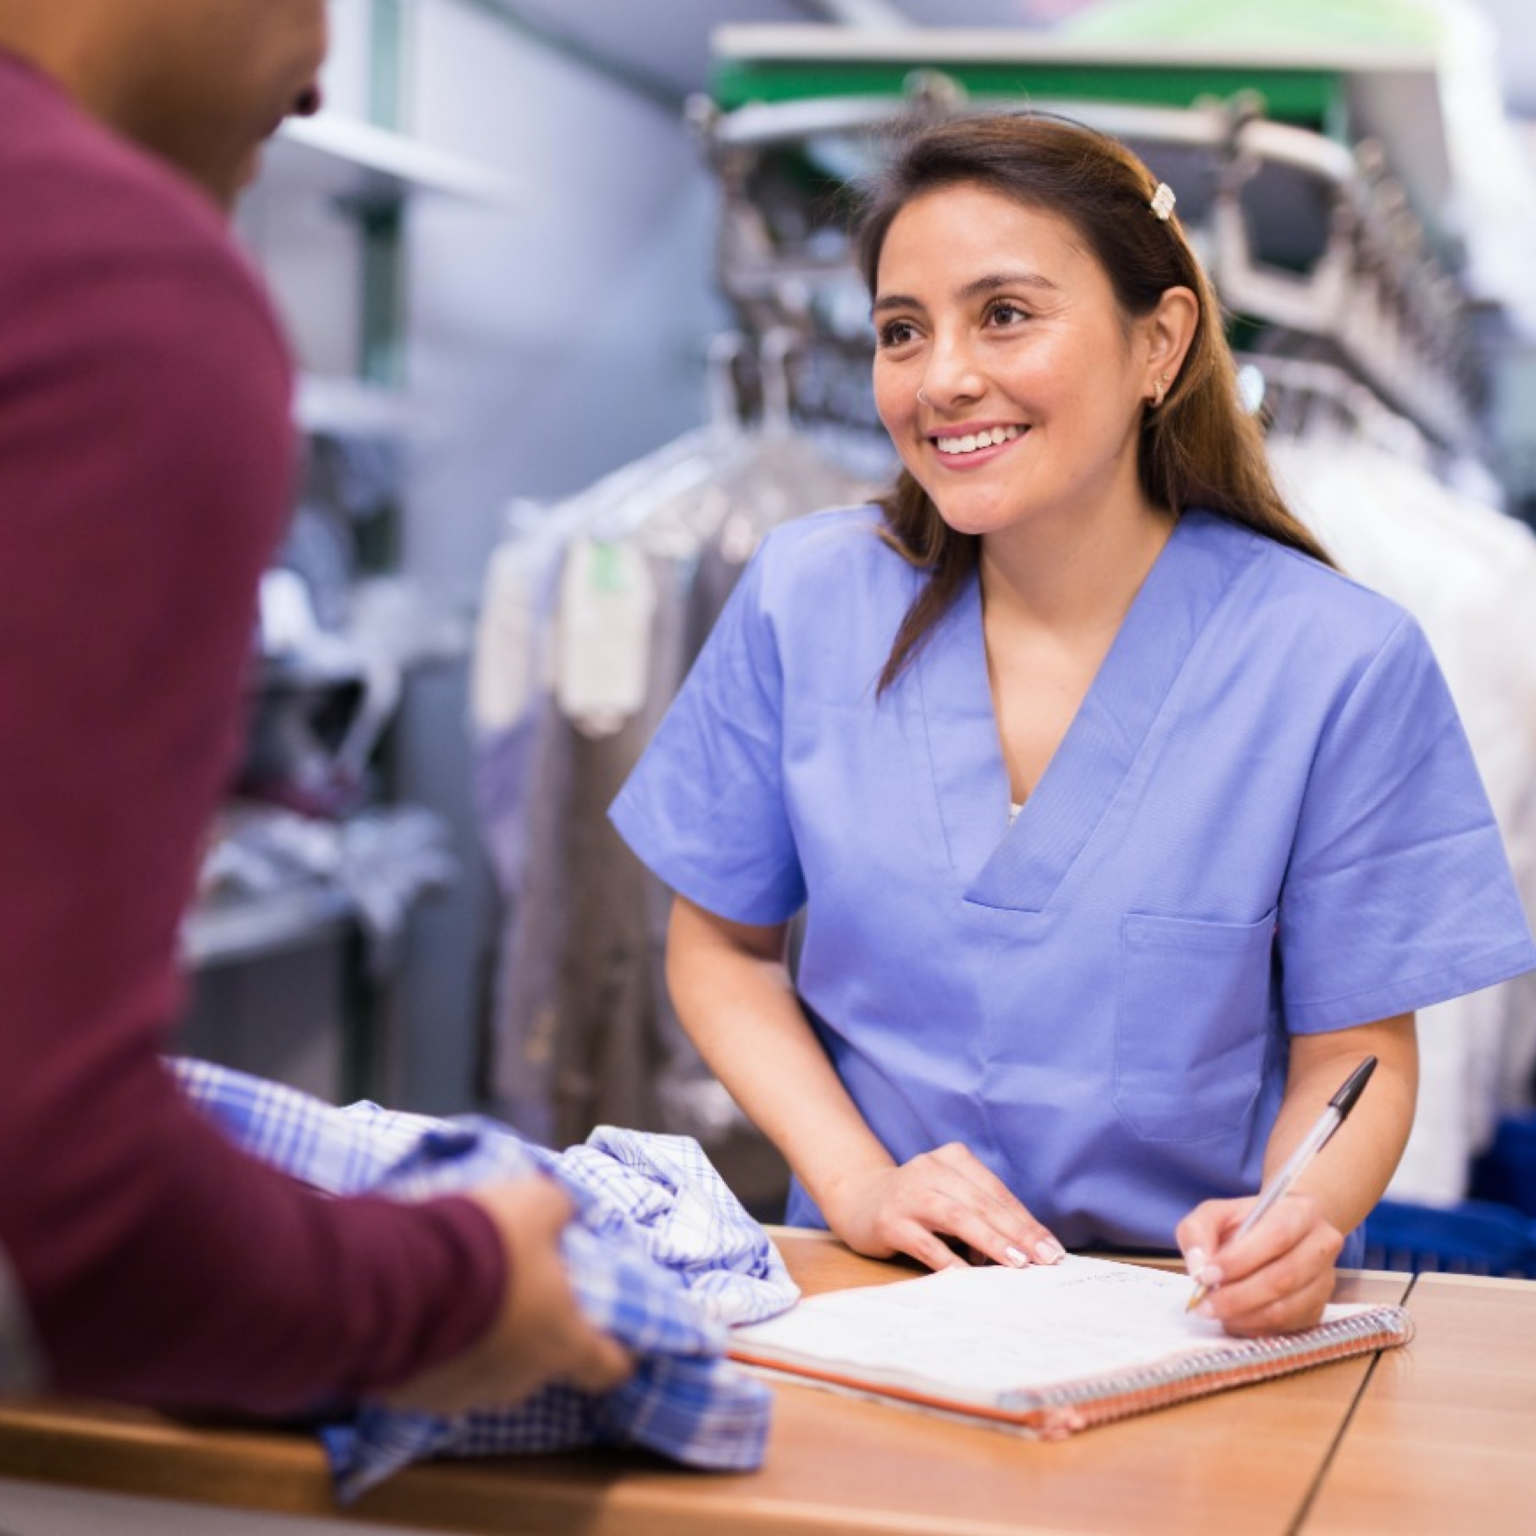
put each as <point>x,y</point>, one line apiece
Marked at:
<point>974,440</point>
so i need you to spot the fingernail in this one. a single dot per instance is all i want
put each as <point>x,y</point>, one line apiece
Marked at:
<point>1016,1256</point>
<point>1205,1309</point>
<point>1193,1260</point>
<point>1209,1276</point>
<point>1048,1250</point>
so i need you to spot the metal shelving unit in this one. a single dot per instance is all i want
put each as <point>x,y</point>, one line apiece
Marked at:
<point>340,187</point>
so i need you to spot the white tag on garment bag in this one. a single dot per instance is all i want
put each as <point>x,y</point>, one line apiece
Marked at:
<point>607,603</point>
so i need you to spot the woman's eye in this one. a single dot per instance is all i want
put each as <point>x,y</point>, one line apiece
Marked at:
<point>895,333</point>
<point>1005,313</point>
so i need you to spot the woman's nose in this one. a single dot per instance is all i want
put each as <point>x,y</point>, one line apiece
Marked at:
<point>951,375</point>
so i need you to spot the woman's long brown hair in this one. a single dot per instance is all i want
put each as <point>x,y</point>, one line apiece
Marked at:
<point>1200,448</point>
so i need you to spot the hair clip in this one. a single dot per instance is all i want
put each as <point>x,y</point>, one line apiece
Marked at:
<point>1163,201</point>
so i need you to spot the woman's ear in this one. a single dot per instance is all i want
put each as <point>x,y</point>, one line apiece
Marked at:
<point>1169,333</point>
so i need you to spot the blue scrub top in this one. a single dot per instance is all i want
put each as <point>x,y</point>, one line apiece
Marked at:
<point>1265,819</point>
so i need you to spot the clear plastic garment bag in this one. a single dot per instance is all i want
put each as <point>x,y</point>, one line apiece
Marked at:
<point>1385,506</point>
<point>593,611</point>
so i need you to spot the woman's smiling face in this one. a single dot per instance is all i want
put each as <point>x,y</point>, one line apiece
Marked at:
<point>1032,377</point>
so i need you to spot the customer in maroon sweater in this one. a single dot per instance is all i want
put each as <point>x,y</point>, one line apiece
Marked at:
<point>145,472</point>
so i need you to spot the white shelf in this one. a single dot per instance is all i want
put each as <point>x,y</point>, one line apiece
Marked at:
<point>341,156</point>
<point>796,43</point>
<point>224,932</point>
<point>351,408</point>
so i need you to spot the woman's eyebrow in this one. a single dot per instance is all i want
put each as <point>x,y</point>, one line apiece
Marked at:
<point>978,287</point>
<point>993,281</point>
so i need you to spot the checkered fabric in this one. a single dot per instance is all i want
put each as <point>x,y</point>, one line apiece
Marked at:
<point>661,1255</point>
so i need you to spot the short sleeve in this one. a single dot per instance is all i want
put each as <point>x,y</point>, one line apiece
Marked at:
<point>1399,892</point>
<point>705,808</point>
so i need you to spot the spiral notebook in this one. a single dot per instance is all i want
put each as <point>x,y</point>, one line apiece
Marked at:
<point>1046,1350</point>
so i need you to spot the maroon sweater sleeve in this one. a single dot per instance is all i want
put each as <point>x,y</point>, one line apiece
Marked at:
<point>145,467</point>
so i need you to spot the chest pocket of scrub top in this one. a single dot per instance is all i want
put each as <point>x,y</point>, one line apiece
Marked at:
<point>1192,1024</point>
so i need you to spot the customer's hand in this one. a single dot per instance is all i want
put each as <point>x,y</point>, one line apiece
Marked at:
<point>539,1335</point>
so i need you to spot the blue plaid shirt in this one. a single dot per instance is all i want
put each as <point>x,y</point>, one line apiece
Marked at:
<point>661,1256</point>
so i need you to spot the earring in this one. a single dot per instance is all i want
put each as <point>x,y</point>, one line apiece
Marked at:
<point>1163,381</point>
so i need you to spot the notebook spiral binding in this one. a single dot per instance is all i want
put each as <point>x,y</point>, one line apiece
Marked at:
<point>1061,1410</point>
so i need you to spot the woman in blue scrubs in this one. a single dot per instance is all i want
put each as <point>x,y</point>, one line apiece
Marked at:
<point>1124,826</point>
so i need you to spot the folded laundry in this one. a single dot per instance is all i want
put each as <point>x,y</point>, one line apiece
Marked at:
<point>661,1255</point>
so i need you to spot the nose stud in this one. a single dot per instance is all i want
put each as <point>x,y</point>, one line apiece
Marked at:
<point>923,399</point>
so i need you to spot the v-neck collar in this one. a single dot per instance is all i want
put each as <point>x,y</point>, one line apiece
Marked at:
<point>1019,868</point>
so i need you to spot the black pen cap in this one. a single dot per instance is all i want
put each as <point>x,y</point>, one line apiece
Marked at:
<point>1354,1086</point>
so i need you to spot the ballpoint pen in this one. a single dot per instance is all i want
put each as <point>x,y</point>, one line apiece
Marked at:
<point>1316,1139</point>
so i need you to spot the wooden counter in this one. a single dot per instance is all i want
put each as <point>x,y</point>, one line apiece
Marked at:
<point>1265,1458</point>
<point>1446,1433</point>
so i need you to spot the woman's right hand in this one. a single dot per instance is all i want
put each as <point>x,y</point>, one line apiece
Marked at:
<point>540,1334</point>
<point>947,1193</point>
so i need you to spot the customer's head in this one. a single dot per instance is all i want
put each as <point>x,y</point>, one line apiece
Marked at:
<point>199,82</point>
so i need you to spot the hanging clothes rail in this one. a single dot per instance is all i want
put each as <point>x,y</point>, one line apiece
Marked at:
<point>1301,231</point>
<point>1294,394</point>
<point>1317,87</point>
<point>1346,93</point>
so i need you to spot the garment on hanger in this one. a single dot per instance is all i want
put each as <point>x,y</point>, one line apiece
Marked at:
<point>584,1031</point>
<point>534,772</point>
<point>1467,572</point>
<point>660,1255</point>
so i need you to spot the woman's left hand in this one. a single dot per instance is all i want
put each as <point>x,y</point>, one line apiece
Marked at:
<point>1274,1279</point>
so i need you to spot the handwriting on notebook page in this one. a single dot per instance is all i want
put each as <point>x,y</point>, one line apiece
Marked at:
<point>987,1330</point>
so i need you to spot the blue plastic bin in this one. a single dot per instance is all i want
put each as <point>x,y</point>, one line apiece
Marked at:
<point>1506,1172</point>
<point>1476,1237</point>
